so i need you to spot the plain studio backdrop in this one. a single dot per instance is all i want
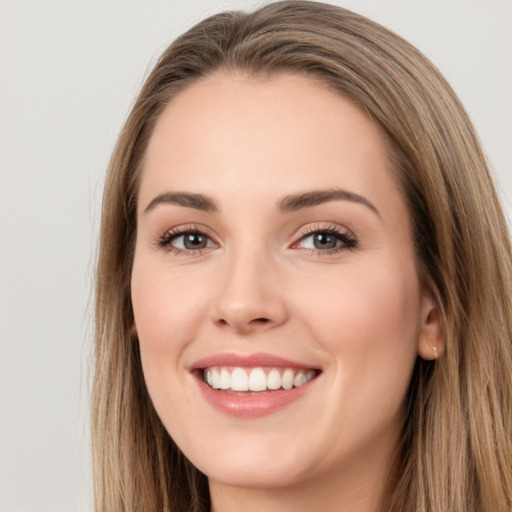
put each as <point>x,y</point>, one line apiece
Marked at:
<point>69,72</point>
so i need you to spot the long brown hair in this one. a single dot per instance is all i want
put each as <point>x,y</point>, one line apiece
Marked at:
<point>456,450</point>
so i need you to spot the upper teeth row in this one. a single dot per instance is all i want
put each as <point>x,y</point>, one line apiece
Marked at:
<point>256,379</point>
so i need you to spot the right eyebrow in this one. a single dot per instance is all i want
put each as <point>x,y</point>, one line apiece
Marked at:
<point>296,202</point>
<point>185,199</point>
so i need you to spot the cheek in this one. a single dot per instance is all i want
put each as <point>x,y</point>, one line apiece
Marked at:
<point>368,319</point>
<point>368,322</point>
<point>166,308</point>
<point>167,314</point>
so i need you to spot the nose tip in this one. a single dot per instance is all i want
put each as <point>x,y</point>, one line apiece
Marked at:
<point>249,300</point>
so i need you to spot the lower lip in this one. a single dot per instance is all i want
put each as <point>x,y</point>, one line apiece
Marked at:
<point>252,406</point>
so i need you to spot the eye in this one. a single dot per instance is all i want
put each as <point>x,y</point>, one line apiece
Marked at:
<point>185,241</point>
<point>320,241</point>
<point>190,241</point>
<point>326,240</point>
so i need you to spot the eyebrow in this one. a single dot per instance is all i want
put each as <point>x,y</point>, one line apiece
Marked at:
<point>185,199</point>
<point>288,204</point>
<point>296,202</point>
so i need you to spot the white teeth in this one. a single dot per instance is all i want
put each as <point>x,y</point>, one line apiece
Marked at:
<point>256,379</point>
<point>215,379</point>
<point>239,380</point>
<point>299,379</point>
<point>274,379</point>
<point>225,379</point>
<point>287,379</point>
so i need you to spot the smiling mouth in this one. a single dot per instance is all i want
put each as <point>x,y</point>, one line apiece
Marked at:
<point>240,380</point>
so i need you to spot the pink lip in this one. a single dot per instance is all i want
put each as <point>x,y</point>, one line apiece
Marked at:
<point>249,405</point>
<point>248,361</point>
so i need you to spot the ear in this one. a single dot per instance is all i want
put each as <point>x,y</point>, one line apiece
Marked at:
<point>432,339</point>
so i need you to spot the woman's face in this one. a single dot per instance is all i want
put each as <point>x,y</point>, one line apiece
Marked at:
<point>274,260</point>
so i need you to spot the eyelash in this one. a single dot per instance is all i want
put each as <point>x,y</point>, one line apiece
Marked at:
<point>348,241</point>
<point>165,241</point>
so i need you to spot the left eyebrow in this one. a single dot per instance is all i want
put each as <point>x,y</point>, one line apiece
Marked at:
<point>185,199</point>
<point>296,202</point>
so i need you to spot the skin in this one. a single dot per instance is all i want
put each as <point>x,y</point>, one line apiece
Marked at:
<point>358,314</point>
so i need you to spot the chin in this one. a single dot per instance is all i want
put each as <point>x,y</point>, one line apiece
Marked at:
<point>253,474</point>
<point>252,464</point>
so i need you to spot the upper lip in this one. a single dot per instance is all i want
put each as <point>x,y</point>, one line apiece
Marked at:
<point>249,361</point>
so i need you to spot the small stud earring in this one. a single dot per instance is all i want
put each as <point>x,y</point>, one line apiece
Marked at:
<point>436,355</point>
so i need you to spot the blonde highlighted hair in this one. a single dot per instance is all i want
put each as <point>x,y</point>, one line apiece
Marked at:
<point>456,449</point>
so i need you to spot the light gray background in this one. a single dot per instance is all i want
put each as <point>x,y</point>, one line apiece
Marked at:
<point>69,72</point>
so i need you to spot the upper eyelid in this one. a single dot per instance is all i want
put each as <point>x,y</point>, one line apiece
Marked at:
<point>342,232</point>
<point>328,226</point>
<point>183,229</point>
<point>170,234</point>
<point>338,234</point>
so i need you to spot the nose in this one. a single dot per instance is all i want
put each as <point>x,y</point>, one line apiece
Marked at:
<point>250,296</point>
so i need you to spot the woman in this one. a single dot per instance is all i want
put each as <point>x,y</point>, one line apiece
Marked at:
<point>304,282</point>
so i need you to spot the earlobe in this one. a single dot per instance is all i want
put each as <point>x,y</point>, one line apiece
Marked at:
<point>432,339</point>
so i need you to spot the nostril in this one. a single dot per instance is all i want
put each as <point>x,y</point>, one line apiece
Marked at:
<point>244,325</point>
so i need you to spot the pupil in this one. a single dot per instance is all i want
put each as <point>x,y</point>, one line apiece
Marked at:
<point>194,241</point>
<point>324,241</point>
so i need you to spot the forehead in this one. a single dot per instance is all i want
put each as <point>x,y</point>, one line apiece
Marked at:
<point>274,135</point>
